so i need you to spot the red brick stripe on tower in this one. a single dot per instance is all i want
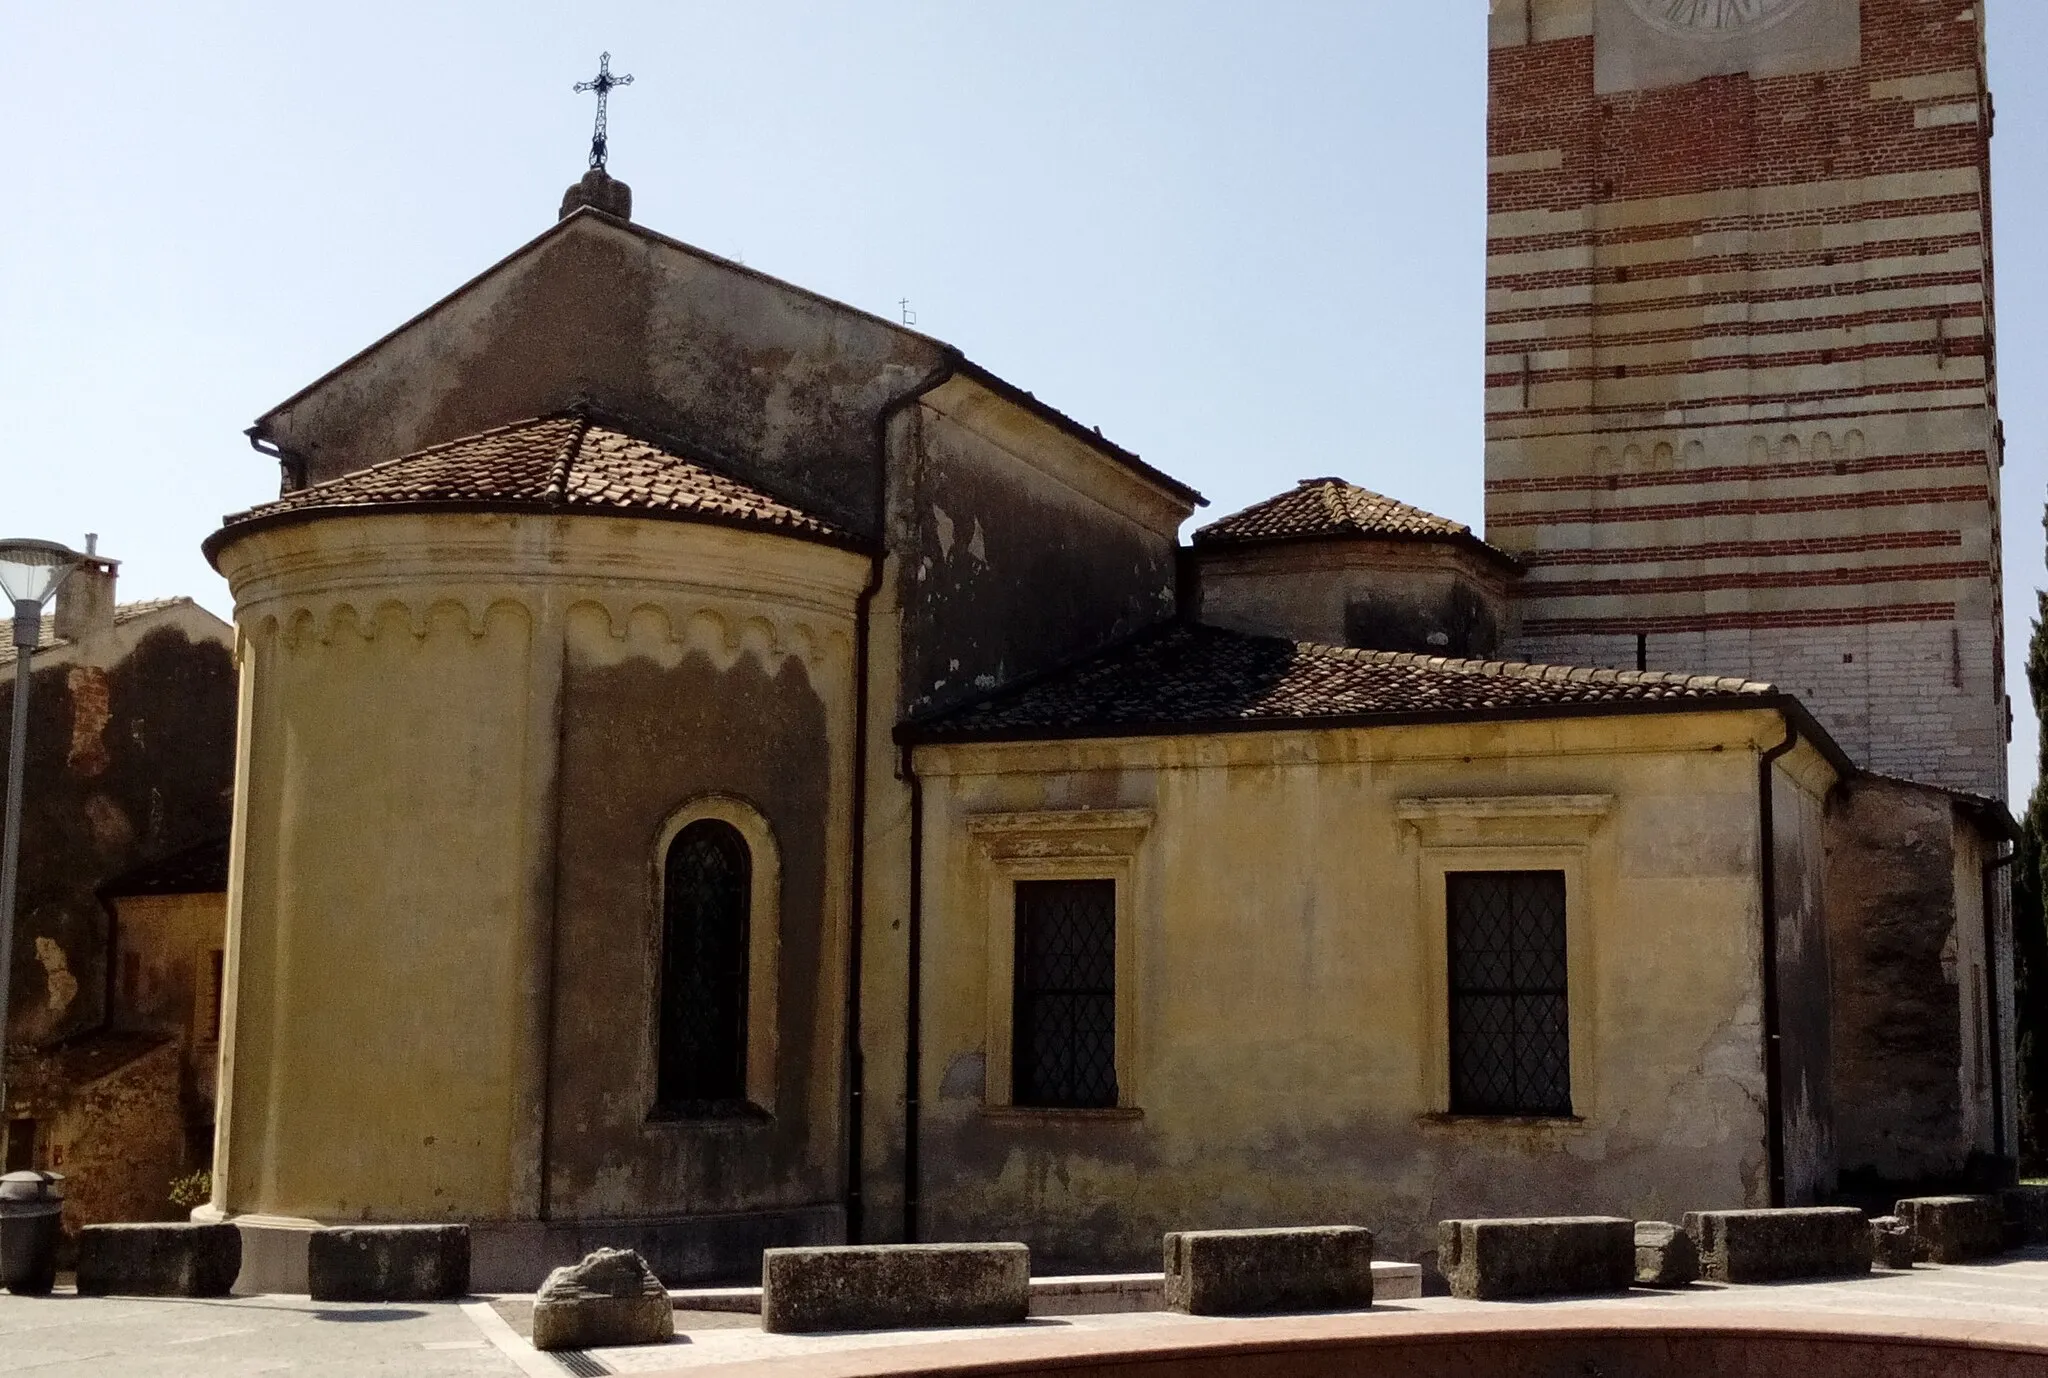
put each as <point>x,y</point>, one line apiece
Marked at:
<point>1741,369</point>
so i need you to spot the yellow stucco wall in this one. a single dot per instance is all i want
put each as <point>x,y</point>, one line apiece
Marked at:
<point>392,881</point>
<point>1281,975</point>
<point>164,978</point>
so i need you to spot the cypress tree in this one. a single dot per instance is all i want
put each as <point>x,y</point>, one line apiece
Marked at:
<point>2030,938</point>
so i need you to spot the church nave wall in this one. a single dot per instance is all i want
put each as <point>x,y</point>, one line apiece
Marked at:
<point>1281,1016</point>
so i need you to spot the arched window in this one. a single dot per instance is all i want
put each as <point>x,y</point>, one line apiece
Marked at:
<point>707,893</point>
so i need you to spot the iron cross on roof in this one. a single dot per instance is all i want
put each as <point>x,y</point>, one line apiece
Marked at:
<point>602,83</point>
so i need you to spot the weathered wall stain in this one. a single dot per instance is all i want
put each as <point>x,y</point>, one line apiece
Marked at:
<point>1428,597</point>
<point>1044,571</point>
<point>1805,1005</point>
<point>127,762</point>
<point>687,344</point>
<point>639,741</point>
<point>1896,947</point>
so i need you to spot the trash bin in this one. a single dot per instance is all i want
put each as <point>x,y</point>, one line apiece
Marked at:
<point>31,1216</point>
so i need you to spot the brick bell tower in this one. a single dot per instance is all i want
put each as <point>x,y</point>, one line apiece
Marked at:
<point>1741,399</point>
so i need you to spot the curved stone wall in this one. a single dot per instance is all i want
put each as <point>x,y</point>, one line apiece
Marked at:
<point>460,735</point>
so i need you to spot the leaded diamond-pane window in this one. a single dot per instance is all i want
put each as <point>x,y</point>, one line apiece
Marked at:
<point>1510,1020</point>
<point>706,893</point>
<point>1064,1044</point>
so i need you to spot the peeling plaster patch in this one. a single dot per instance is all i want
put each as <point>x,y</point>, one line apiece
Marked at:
<point>63,986</point>
<point>966,1077</point>
<point>977,547</point>
<point>945,525</point>
<point>90,715</point>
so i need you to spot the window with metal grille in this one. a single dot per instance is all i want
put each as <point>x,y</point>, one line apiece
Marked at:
<point>706,894</point>
<point>1510,1017</point>
<point>1063,1047</point>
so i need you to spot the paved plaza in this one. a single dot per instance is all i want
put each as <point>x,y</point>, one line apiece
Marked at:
<point>66,1336</point>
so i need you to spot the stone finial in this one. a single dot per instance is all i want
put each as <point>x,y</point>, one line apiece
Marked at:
<point>600,191</point>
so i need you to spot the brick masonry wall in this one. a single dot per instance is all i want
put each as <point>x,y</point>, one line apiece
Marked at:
<point>1741,386</point>
<point>1899,698</point>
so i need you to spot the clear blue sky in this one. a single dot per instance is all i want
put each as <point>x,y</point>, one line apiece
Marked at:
<point>1245,239</point>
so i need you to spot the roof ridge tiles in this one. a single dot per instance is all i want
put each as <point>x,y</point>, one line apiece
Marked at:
<point>1336,507</point>
<point>572,448</point>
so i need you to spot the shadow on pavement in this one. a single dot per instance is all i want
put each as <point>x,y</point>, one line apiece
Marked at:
<point>382,1313</point>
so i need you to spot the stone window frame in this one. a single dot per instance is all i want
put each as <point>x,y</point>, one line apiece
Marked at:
<point>764,948</point>
<point>1077,844</point>
<point>1534,832</point>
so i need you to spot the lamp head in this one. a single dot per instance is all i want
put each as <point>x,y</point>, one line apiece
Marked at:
<point>30,571</point>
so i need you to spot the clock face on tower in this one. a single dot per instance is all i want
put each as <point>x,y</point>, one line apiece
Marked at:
<point>1714,18</point>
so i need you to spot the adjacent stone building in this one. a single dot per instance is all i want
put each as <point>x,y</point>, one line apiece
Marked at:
<point>131,767</point>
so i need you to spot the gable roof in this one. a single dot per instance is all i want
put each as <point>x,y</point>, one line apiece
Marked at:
<point>953,360</point>
<point>1190,678</point>
<point>124,614</point>
<point>1332,507</point>
<point>568,463</point>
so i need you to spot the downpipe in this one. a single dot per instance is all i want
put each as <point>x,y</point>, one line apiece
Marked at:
<point>1767,880</point>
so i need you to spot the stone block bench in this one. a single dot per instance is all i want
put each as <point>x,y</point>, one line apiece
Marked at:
<point>1780,1245</point>
<point>1490,1260</point>
<point>893,1287</point>
<point>1256,1272</point>
<point>388,1263</point>
<point>162,1260</point>
<point>1085,1294</point>
<point>2026,1215</point>
<point>1954,1229</point>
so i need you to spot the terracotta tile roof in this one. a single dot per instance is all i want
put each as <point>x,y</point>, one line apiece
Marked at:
<point>123,614</point>
<point>197,870</point>
<point>1187,678</point>
<point>564,463</point>
<point>1328,507</point>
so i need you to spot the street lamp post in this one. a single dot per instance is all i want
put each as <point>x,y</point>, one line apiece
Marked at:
<point>30,572</point>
